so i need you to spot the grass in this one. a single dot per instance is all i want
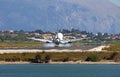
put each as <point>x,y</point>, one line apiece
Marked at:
<point>57,56</point>
<point>113,47</point>
<point>20,44</point>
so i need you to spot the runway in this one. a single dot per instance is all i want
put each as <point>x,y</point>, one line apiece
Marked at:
<point>54,49</point>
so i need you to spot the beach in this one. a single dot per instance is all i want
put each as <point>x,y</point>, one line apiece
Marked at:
<point>60,62</point>
<point>17,62</point>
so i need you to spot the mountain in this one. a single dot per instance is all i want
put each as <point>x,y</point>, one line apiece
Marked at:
<point>117,2</point>
<point>50,15</point>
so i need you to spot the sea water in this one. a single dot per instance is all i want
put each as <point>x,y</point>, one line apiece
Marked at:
<point>60,70</point>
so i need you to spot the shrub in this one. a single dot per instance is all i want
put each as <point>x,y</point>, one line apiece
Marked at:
<point>37,59</point>
<point>65,59</point>
<point>47,59</point>
<point>112,56</point>
<point>92,57</point>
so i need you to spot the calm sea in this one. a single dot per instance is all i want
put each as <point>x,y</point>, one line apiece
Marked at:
<point>56,70</point>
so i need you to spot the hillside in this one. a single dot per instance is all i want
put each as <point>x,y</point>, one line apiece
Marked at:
<point>90,15</point>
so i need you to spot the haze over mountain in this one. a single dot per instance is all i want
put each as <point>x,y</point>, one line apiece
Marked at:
<point>50,15</point>
<point>117,2</point>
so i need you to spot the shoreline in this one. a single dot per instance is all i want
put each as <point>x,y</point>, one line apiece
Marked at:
<point>17,62</point>
<point>86,62</point>
<point>68,62</point>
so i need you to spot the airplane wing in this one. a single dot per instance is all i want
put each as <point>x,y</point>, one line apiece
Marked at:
<point>65,41</point>
<point>42,40</point>
<point>73,40</point>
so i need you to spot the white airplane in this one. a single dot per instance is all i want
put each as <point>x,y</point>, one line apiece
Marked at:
<point>57,41</point>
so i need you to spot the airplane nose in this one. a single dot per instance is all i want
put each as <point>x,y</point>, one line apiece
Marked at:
<point>58,40</point>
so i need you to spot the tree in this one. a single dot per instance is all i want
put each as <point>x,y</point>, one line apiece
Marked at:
<point>64,31</point>
<point>100,36</point>
<point>39,31</point>
<point>47,59</point>
<point>75,31</point>
<point>38,59</point>
<point>21,36</point>
<point>2,38</point>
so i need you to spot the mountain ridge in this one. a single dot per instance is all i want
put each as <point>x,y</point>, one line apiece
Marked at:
<point>50,15</point>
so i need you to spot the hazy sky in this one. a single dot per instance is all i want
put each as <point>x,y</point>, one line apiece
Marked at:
<point>117,2</point>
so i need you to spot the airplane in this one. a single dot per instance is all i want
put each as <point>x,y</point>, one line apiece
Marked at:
<point>57,41</point>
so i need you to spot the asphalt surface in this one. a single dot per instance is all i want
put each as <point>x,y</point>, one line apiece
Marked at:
<point>56,48</point>
<point>69,48</point>
<point>51,49</point>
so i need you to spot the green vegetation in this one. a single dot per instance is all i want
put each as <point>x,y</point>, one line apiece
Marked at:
<point>113,47</point>
<point>92,57</point>
<point>18,39</point>
<point>86,43</point>
<point>63,56</point>
<point>20,44</point>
